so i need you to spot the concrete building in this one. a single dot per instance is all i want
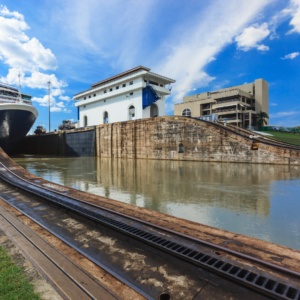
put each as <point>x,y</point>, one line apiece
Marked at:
<point>238,104</point>
<point>134,94</point>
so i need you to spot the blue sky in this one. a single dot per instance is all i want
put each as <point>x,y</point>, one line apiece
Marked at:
<point>203,45</point>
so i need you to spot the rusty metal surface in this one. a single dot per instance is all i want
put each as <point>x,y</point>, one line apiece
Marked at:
<point>63,273</point>
<point>148,268</point>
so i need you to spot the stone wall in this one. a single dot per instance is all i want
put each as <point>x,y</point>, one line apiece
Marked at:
<point>160,138</point>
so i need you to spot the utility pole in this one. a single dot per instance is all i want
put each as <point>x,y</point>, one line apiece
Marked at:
<point>49,83</point>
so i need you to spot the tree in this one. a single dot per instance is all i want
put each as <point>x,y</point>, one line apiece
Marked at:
<point>261,118</point>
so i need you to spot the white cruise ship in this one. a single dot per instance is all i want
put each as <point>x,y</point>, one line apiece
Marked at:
<point>17,115</point>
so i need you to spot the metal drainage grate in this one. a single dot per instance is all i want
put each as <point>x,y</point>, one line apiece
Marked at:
<point>248,278</point>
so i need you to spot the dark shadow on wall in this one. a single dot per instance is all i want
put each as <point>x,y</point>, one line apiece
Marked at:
<point>80,143</point>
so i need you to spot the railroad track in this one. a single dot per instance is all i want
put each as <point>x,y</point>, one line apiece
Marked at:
<point>189,255</point>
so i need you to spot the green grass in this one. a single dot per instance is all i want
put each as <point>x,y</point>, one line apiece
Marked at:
<point>284,137</point>
<point>13,284</point>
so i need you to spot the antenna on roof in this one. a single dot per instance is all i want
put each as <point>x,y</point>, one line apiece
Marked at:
<point>19,83</point>
<point>19,96</point>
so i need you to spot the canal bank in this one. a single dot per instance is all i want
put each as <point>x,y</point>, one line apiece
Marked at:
<point>251,268</point>
<point>165,138</point>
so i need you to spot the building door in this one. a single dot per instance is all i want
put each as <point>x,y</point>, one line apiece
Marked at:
<point>153,110</point>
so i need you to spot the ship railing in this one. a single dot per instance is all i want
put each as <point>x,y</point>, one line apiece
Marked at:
<point>12,101</point>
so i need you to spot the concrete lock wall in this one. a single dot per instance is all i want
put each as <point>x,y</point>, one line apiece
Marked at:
<point>80,142</point>
<point>158,138</point>
<point>44,144</point>
<point>163,137</point>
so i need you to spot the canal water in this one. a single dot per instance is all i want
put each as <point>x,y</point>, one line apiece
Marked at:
<point>262,201</point>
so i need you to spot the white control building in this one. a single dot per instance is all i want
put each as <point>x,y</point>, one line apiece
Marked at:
<point>134,94</point>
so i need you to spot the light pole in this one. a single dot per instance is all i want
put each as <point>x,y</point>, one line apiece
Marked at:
<point>49,83</point>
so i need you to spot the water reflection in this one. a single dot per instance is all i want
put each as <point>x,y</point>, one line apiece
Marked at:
<point>256,200</point>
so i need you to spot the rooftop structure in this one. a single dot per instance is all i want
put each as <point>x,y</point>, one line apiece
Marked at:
<point>133,94</point>
<point>238,104</point>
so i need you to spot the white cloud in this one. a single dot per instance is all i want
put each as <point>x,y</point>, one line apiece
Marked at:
<point>5,12</point>
<point>197,46</point>
<point>35,80</point>
<point>284,114</point>
<point>273,104</point>
<point>27,56</point>
<point>295,12</point>
<point>251,36</point>
<point>44,101</point>
<point>291,55</point>
<point>60,104</point>
<point>66,98</point>
<point>17,50</point>
<point>55,109</point>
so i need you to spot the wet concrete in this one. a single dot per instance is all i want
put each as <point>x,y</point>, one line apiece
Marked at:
<point>147,268</point>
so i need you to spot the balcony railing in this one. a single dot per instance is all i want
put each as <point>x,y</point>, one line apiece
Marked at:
<point>229,119</point>
<point>222,110</point>
<point>229,100</point>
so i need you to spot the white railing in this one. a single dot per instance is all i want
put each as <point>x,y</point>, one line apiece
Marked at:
<point>4,100</point>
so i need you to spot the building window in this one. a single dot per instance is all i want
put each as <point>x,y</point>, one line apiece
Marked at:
<point>94,95</point>
<point>154,83</point>
<point>131,112</point>
<point>124,85</point>
<point>131,94</point>
<point>90,96</point>
<point>85,121</point>
<point>145,81</point>
<point>84,98</point>
<point>110,90</point>
<point>181,148</point>
<point>104,91</point>
<point>186,112</point>
<point>131,83</point>
<point>105,117</point>
<point>161,85</point>
<point>117,87</point>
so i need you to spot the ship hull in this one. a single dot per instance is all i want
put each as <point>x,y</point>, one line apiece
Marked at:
<point>15,122</point>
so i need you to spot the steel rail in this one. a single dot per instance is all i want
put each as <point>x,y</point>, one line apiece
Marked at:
<point>201,241</point>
